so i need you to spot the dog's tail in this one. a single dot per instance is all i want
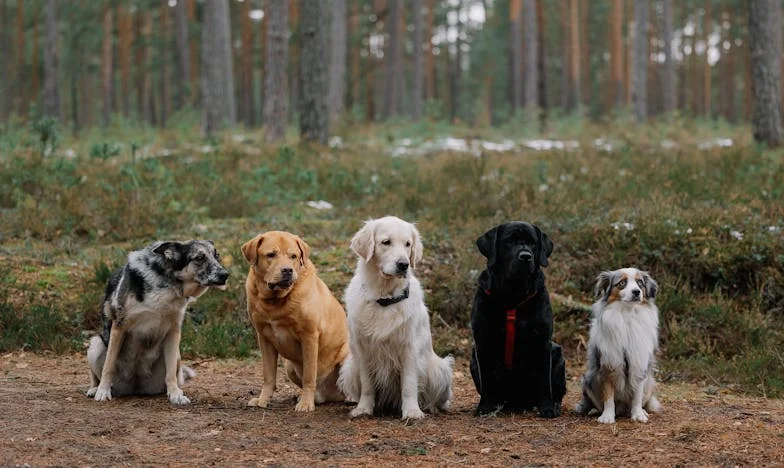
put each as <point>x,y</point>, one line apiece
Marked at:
<point>186,373</point>
<point>348,380</point>
<point>438,394</point>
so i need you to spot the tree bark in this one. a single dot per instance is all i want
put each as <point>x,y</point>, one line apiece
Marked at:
<point>668,76</point>
<point>430,68</point>
<point>249,114</point>
<point>124,45</point>
<point>764,17</point>
<point>51,90</point>
<point>707,26</point>
<point>19,48</point>
<point>530,29</point>
<point>394,60</point>
<point>5,64</point>
<point>165,29</point>
<point>313,119</point>
<point>183,95</point>
<point>218,103</point>
<point>275,67</point>
<point>106,66</point>
<point>337,60</point>
<point>356,56</point>
<point>640,64</point>
<point>574,53</point>
<point>515,54</point>
<point>417,71</point>
<point>542,66</point>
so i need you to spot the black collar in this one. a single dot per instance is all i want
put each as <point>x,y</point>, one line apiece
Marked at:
<point>388,301</point>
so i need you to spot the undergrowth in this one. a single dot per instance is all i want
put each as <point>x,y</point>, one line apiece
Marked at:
<point>706,223</point>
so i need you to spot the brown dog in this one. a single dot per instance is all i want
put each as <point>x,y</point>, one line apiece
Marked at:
<point>294,315</point>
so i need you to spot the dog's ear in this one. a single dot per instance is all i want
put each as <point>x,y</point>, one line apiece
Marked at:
<point>416,250</point>
<point>250,249</point>
<point>172,252</point>
<point>603,284</point>
<point>545,247</point>
<point>364,241</point>
<point>651,286</point>
<point>487,244</point>
<point>304,250</point>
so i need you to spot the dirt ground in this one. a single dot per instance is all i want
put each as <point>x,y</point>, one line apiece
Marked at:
<point>45,419</point>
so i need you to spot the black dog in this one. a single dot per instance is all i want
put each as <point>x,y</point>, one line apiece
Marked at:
<point>514,364</point>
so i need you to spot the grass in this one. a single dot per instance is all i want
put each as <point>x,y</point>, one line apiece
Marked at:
<point>705,222</point>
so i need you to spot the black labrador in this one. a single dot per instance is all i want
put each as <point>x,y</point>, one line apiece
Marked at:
<point>515,364</point>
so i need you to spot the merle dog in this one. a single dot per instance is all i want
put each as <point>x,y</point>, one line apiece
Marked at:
<point>514,364</point>
<point>138,352</point>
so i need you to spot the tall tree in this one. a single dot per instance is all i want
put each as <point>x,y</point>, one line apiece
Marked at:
<point>337,59</point>
<point>51,89</point>
<point>531,58</point>
<point>574,53</point>
<point>275,66</point>
<point>430,68</point>
<point>707,29</point>
<point>249,101</point>
<point>764,17</point>
<point>35,67</point>
<point>417,69</point>
<point>515,53</point>
<point>542,65</point>
<point>19,48</point>
<point>107,66</point>
<point>394,60</point>
<point>218,104</point>
<point>313,118</point>
<point>165,57</point>
<point>640,57</point>
<point>668,76</point>
<point>124,45</point>
<point>5,67</point>
<point>183,54</point>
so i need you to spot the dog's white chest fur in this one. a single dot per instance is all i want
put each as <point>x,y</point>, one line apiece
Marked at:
<point>626,333</point>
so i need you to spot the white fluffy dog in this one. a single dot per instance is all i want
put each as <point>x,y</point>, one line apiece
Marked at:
<point>392,365</point>
<point>622,347</point>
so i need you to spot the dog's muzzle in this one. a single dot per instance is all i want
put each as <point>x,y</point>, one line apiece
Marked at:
<point>286,280</point>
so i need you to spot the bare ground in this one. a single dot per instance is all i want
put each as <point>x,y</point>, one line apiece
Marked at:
<point>45,419</point>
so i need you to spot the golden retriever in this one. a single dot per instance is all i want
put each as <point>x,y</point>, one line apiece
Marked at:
<point>295,315</point>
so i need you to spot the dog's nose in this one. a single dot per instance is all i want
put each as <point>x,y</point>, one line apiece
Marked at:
<point>223,276</point>
<point>286,271</point>
<point>636,293</point>
<point>402,267</point>
<point>525,256</point>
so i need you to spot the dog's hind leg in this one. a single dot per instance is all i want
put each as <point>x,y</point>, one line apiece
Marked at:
<point>327,389</point>
<point>96,354</point>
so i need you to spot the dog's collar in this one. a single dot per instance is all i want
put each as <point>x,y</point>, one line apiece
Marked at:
<point>388,301</point>
<point>509,338</point>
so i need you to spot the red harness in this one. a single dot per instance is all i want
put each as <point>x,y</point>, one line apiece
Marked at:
<point>509,340</point>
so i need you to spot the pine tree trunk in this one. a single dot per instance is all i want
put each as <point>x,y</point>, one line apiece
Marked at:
<point>393,60</point>
<point>456,69</point>
<point>5,64</point>
<point>35,69</point>
<point>728,70</point>
<point>417,71</point>
<point>531,59</point>
<point>337,60</point>
<point>707,27</point>
<point>541,65</point>
<point>313,119</point>
<point>106,66</point>
<point>124,45</point>
<point>218,102</point>
<point>764,17</point>
<point>183,54</point>
<point>515,54</point>
<point>249,115</point>
<point>295,80</point>
<point>19,48</point>
<point>166,57</point>
<point>355,58</point>
<point>574,54</point>
<point>640,64</point>
<point>430,68</point>
<point>275,67</point>
<point>668,77</point>
<point>51,90</point>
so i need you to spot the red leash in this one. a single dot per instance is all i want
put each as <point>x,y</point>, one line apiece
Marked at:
<point>511,317</point>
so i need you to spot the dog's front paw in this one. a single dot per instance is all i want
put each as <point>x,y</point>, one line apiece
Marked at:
<point>488,409</point>
<point>260,402</point>
<point>607,418</point>
<point>91,392</point>
<point>176,397</point>
<point>550,412</point>
<point>305,405</point>
<point>639,415</point>
<point>103,394</point>
<point>361,410</point>
<point>413,413</point>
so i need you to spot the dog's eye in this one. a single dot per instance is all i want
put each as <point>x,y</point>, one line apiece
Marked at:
<point>293,256</point>
<point>199,258</point>
<point>271,255</point>
<point>408,244</point>
<point>641,284</point>
<point>386,241</point>
<point>622,284</point>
